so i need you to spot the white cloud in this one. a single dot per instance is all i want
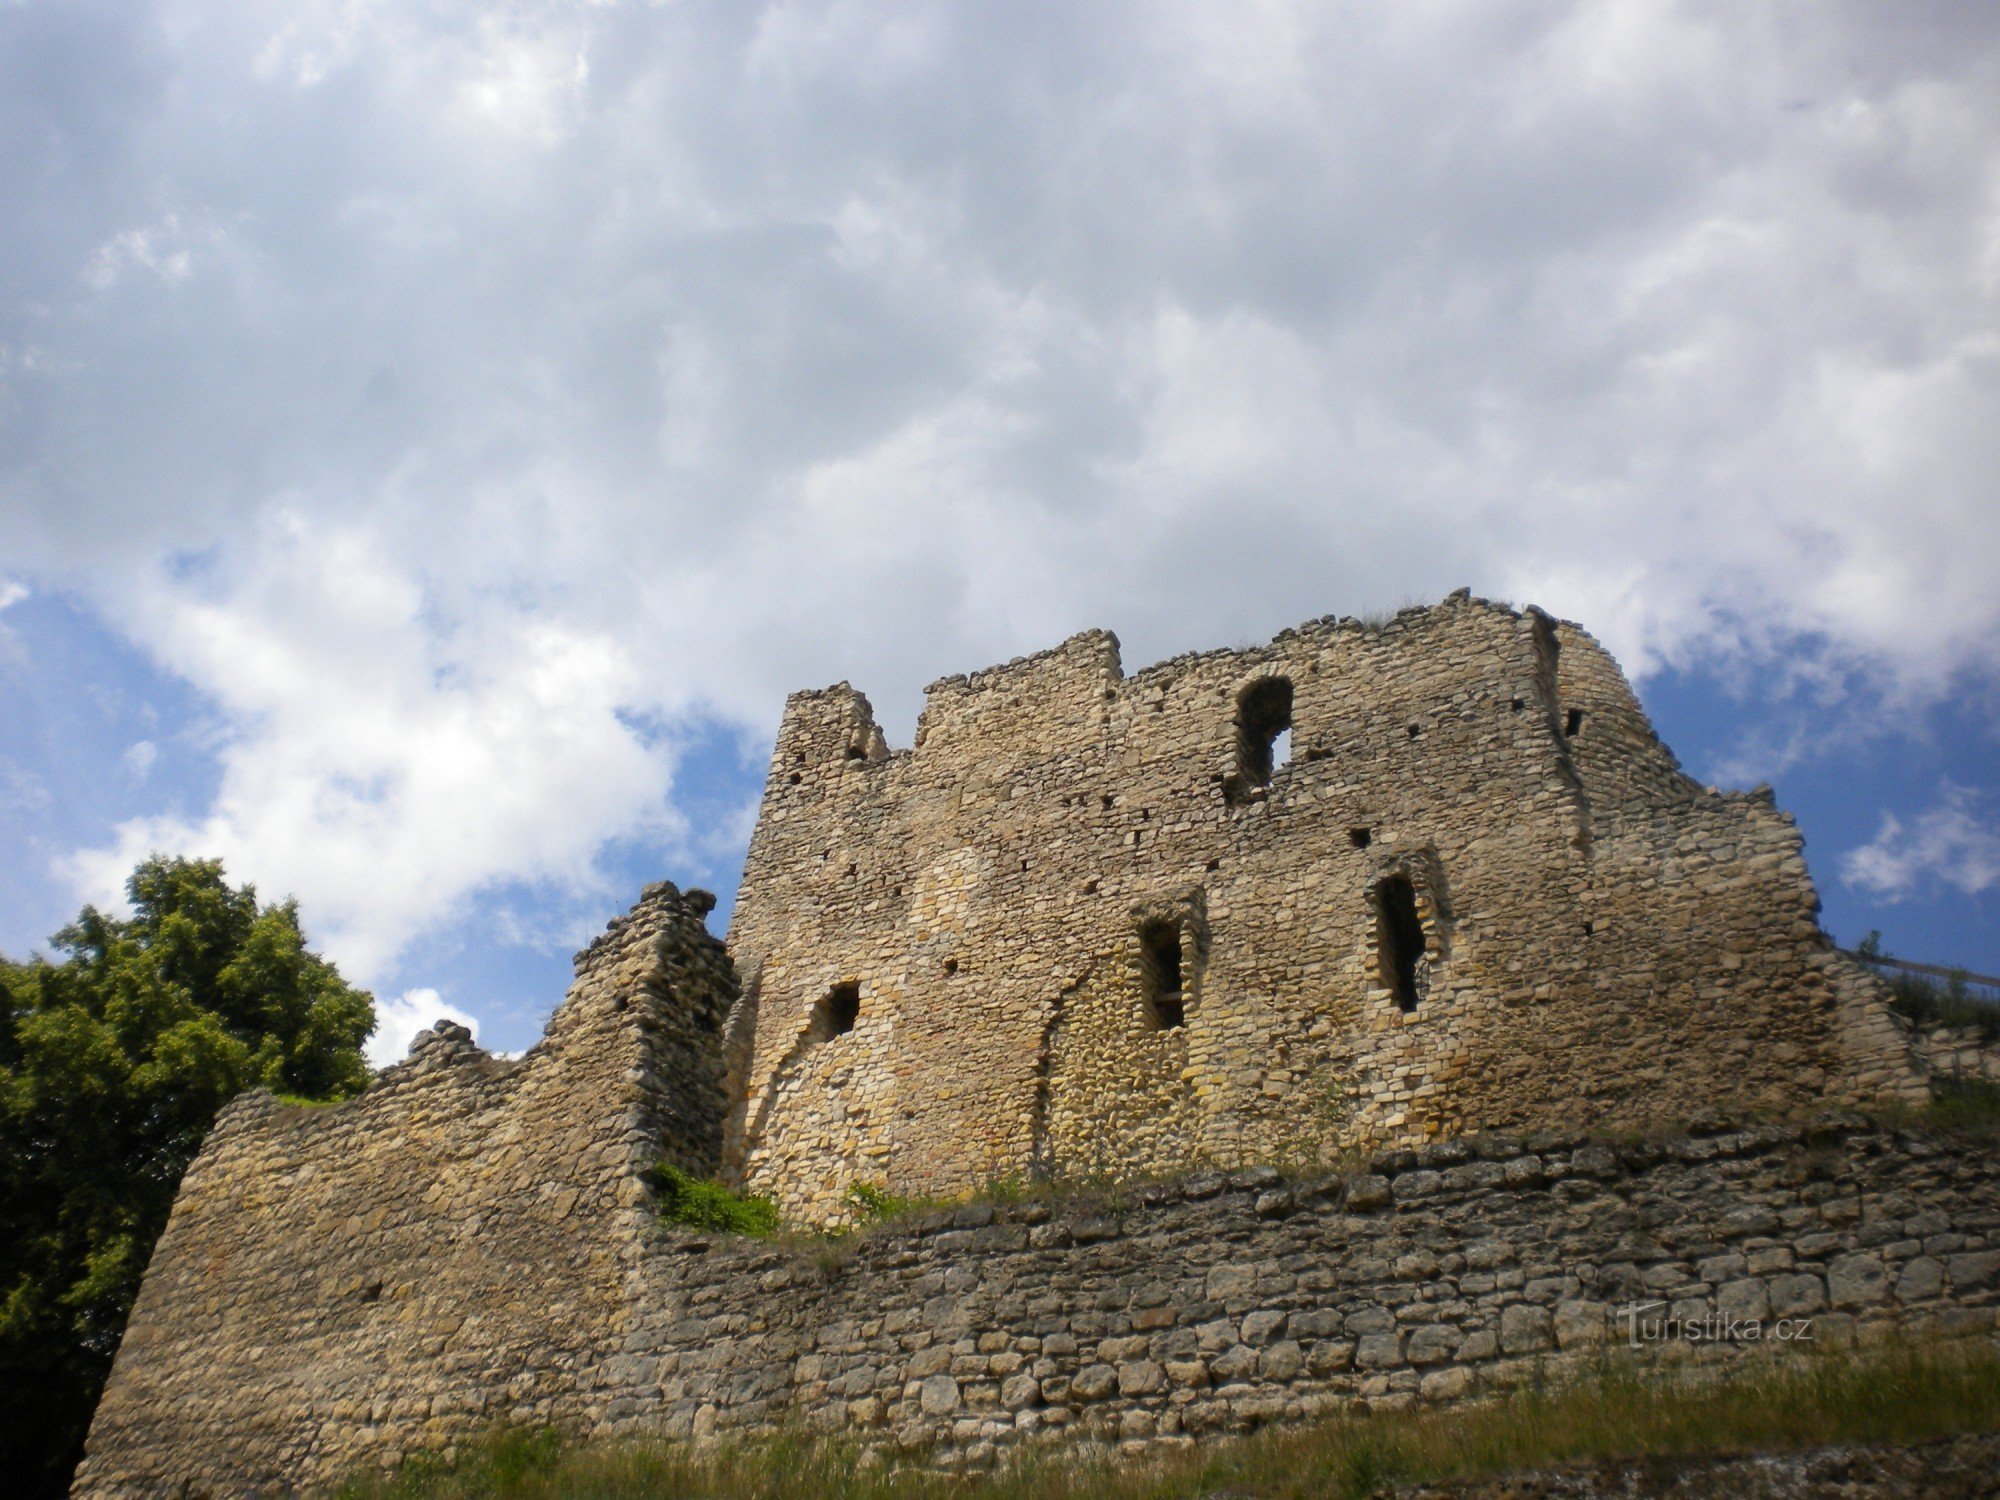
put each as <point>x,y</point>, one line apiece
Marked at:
<point>1954,843</point>
<point>400,1018</point>
<point>540,374</point>
<point>139,757</point>
<point>11,594</point>
<point>385,767</point>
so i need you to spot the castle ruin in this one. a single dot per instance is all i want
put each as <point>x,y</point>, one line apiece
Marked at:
<point>1375,886</point>
<point>1087,925</point>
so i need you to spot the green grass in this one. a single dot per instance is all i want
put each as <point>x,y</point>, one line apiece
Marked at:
<point>1899,1393</point>
<point>699,1204</point>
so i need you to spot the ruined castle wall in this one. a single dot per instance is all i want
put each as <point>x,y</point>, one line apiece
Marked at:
<point>1597,930</point>
<point>345,1283</point>
<point>1219,1303</point>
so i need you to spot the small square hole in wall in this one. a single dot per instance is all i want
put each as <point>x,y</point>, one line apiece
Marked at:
<point>1360,838</point>
<point>1213,865</point>
<point>1519,704</point>
<point>1109,801</point>
<point>1415,730</point>
<point>1589,929</point>
<point>838,1011</point>
<point>951,966</point>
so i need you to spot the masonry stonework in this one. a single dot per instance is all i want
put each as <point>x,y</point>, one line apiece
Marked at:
<point>1598,932</point>
<point>1097,928</point>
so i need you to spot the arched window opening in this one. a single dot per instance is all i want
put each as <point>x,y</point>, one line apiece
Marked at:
<point>837,1012</point>
<point>1160,962</point>
<point>1399,939</point>
<point>1263,730</point>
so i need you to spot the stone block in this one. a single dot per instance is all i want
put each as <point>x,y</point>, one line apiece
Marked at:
<point>1856,1281</point>
<point>1094,1382</point>
<point>1525,1329</point>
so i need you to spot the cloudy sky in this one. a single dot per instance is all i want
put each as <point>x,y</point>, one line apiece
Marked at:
<point>435,434</point>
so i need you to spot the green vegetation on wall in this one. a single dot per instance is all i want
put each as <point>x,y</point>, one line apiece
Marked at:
<point>697,1203</point>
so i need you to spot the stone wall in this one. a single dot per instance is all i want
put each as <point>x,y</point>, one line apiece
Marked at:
<point>1225,1301</point>
<point>352,1281</point>
<point>1202,1307</point>
<point>1957,1053</point>
<point>1599,933</point>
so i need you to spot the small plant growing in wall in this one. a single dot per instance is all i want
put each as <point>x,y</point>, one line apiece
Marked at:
<point>698,1204</point>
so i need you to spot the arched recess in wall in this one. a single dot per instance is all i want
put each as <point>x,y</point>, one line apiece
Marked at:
<point>834,1014</point>
<point>1263,734</point>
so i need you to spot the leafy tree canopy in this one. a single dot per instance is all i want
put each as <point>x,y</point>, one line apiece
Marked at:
<point>113,1064</point>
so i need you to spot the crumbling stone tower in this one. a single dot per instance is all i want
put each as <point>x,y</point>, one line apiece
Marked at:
<point>1092,923</point>
<point>349,1283</point>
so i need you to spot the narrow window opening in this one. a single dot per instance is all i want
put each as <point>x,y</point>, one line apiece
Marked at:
<point>1263,729</point>
<point>1572,722</point>
<point>1589,929</point>
<point>1399,939</point>
<point>1160,951</point>
<point>1360,838</point>
<point>838,1011</point>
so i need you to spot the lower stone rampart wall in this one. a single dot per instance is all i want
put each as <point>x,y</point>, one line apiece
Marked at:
<point>1203,1307</point>
<point>1223,1302</point>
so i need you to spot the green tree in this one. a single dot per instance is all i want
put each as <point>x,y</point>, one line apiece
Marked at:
<point>113,1063</point>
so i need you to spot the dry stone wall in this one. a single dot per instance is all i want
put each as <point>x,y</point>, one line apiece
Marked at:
<point>1225,1301</point>
<point>347,1283</point>
<point>1597,932</point>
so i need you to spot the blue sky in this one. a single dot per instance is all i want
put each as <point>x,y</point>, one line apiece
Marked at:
<point>434,438</point>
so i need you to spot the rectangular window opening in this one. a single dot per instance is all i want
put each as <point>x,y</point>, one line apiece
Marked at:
<point>1399,940</point>
<point>1160,961</point>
